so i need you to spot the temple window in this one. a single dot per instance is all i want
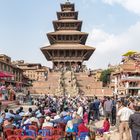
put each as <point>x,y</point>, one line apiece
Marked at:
<point>61,53</point>
<point>62,24</point>
<point>71,37</point>
<point>75,37</point>
<point>67,53</point>
<point>78,53</point>
<point>73,53</point>
<point>55,53</point>
<point>67,37</point>
<point>59,37</point>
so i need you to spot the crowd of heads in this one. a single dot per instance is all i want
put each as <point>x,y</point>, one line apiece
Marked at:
<point>52,110</point>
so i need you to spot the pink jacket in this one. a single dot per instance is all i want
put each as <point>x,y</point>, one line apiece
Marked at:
<point>85,118</point>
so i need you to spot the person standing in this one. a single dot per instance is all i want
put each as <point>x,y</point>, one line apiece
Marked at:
<point>0,106</point>
<point>113,112</point>
<point>108,108</point>
<point>124,114</point>
<point>134,124</point>
<point>131,104</point>
<point>96,105</point>
<point>80,110</point>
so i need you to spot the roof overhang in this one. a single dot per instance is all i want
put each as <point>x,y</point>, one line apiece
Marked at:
<point>47,49</point>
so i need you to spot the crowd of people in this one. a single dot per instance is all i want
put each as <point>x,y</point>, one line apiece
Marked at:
<point>7,92</point>
<point>73,118</point>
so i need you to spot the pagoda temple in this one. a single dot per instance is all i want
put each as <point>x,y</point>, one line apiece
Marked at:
<point>67,43</point>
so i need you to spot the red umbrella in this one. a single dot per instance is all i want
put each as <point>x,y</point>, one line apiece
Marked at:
<point>8,75</point>
<point>2,74</point>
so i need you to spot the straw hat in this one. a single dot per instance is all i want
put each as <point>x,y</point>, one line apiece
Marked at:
<point>27,114</point>
<point>48,118</point>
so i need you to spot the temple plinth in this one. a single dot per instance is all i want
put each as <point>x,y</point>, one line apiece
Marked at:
<point>67,43</point>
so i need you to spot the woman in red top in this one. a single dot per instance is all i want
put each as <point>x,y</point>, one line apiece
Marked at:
<point>106,127</point>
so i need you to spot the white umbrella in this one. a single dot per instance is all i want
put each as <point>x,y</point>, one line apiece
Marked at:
<point>2,88</point>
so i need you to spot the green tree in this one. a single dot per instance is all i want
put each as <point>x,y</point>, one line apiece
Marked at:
<point>105,77</point>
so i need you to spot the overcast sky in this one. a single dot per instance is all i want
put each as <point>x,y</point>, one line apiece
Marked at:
<point>113,27</point>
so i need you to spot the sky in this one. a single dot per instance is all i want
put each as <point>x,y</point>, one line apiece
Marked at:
<point>113,27</point>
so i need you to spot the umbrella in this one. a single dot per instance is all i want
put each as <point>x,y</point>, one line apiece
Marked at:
<point>2,74</point>
<point>2,88</point>
<point>8,75</point>
<point>130,52</point>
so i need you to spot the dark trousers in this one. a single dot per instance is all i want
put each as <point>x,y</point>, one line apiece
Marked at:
<point>135,135</point>
<point>113,116</point>
<point>89,116</point>
<point>96,114</point>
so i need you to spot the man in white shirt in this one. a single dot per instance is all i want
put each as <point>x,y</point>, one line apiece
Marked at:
<point>47,122</point>
<point>34,119</point>
<point>124,114</point>
<point>80,110</point>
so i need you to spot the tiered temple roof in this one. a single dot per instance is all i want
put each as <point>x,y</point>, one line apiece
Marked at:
<point>67,41</point>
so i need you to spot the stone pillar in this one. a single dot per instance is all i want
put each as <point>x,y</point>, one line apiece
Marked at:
<point>127,86</point>
<point>70,66</point>
<point>53,65</point>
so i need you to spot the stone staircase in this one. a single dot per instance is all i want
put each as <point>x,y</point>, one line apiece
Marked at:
<point>89,87</point>
<point>50,86</point>
<point>70,82</point>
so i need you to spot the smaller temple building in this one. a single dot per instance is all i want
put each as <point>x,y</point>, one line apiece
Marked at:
<point>125,80</point>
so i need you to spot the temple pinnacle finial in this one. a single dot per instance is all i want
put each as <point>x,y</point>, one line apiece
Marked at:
<point>68,1</point>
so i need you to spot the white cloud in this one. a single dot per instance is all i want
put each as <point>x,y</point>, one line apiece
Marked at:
<point>87,4</point>
<point>131,5</point>
<point>110,47</point>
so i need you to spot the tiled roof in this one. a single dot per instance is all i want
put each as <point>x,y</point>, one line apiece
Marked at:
<point>68,47</point>
<point>67,32</point>
<point>67,20</point>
